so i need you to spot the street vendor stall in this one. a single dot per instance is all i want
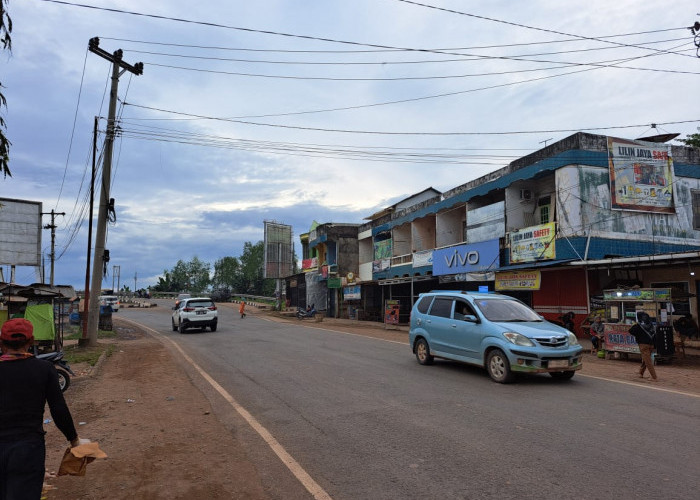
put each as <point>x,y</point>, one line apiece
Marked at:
<point>621,311</point>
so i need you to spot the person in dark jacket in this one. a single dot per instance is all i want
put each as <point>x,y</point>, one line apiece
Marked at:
<point>643,332</point>
<point>26,385</point>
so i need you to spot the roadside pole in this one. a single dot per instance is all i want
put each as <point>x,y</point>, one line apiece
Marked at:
<point>101,255</point>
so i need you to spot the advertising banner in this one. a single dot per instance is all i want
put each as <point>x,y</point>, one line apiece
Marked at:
<point>469,258</point>
<point>381,265</point>
<point>382,249</point>
<point>521,280</point>
<point>641,176</point>
<point>421,259</point>
<point>352,292</point>
<point>391,312</point>
<point>309,264</point>
<point>617,338</point>
<point>334,283</point>
<point>532,243</point>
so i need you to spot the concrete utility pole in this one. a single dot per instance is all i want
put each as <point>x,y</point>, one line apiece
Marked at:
<point>101,256</point>
<point>52,226</point>
<point>116,273</point>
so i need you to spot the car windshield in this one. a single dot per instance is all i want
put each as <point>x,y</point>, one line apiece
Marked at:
<point>506,310</point>
<point>199,303</point>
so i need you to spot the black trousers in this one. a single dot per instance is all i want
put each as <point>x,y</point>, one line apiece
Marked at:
<point>22,465</point>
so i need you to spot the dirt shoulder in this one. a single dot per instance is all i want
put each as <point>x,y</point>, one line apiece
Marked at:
<point>164,441</point>
<point>159,431</point>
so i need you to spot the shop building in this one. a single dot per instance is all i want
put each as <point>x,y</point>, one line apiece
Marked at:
<point>554,228</point>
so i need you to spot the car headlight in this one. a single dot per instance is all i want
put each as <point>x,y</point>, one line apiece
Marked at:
<point>572,339</point>
<point>518,339</point>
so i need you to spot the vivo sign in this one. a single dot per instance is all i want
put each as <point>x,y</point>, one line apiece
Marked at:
<point>469,258</point>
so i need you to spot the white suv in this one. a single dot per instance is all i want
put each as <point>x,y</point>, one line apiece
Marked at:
<point>110,300</point>
<point>194,312</point>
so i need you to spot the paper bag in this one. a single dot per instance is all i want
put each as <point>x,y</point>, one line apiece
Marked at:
<point>75,459</point>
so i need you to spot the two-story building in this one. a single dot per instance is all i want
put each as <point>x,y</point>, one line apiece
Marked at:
<point>553,228</point>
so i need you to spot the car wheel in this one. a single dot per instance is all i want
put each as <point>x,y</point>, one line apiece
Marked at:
<point>182,327</point>
<point>423,352</point>
<point>213,327</point>
<point>498,366</point>
<point>562,375</point>
<point>63,379</point>
<point>174,325</point>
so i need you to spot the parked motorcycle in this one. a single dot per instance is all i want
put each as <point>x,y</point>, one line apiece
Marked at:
<point>62,367</point>
<point>306,313</point>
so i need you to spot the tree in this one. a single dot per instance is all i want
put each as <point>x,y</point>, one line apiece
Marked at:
<point>191,276</point>
<point>227,273</point>
<point>6,41</point>
<point>691,140</point>
<point>252,271</point>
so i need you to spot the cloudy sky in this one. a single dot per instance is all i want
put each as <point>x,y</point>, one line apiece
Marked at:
<point>302,110</point>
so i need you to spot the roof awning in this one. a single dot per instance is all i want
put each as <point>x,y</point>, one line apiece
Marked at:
<point>535,265</point>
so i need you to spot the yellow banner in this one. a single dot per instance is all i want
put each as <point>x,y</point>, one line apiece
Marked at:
<point>520,280</point>
<point>532,243</point>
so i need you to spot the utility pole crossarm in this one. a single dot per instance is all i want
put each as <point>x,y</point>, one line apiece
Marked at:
<point>116,58</point>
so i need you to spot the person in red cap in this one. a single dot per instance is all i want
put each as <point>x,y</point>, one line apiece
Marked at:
<point>26,385</point>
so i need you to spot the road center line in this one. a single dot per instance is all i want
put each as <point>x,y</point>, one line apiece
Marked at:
<point>294,467</point>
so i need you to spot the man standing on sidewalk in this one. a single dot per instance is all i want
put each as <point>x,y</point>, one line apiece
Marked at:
<point>643,332</point>
<point>26,385</point>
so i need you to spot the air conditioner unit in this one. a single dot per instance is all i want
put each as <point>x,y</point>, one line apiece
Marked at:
<point>525,194</point>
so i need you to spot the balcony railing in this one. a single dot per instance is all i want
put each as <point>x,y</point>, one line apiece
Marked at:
<point>402,259</point>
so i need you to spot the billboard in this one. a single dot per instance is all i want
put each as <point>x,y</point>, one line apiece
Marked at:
<point>279,251</point>
<point>641,176</point>
<point>20,232</point>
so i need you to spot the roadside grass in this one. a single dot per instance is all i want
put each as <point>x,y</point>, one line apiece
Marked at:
<point>74,333</point>
<point>75,354</point>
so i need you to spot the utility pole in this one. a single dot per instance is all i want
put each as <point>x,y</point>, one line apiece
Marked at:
<point>101,256</point>
<point>135,276</point>
<point>52,226</point>
<point>116,273</point>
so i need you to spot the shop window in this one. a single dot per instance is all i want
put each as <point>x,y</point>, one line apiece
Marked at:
<point>679,295</point>
<point>696,208</point>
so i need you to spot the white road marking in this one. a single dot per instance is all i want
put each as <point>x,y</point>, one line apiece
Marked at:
<point>644,386</point>
<point>294,467</point>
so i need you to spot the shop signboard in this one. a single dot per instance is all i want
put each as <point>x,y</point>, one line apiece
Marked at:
<point>351,292</point>
<point>309,264</point>
<point>381,265</point>
<point>617,338</point>
<point>533,243</point>
<point>334,282</point>
<point>382,249</point>
<point>468,258</point>
<point>520,280</point>
<point>638,294</point>
<point>641,176</point>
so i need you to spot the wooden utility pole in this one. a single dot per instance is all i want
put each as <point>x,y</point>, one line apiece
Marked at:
<point>52,226</point>
<point>101,256</point>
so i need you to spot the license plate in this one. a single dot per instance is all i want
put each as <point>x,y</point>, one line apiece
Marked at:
<point>201,312</point>
<point>558,363</point>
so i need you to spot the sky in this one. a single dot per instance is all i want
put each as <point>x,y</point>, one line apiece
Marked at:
<point>303,110</point>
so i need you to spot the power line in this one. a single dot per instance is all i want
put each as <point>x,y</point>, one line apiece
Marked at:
<point>376,132</point>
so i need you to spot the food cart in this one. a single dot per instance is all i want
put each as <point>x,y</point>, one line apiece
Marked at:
<point>621,310</point>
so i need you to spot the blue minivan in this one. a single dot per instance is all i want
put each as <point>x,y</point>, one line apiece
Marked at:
<point>494,331</point>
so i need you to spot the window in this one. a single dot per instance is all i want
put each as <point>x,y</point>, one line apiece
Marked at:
<point>696,208</point>
<point>442,307</point>
<point>543,204</point>
<point>463,309</point>
<point>424,304</point>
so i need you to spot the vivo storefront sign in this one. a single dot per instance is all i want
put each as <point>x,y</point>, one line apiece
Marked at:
<point>467,258</point>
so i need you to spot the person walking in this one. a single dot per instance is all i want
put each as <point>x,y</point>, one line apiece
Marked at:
<point>643,332</point>
<point>26,385</point>
<point>241,309</point>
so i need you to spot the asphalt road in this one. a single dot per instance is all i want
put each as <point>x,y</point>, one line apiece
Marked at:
<point>364,420</point>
